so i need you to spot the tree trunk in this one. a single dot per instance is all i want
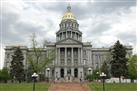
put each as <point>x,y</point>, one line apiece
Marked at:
<point>119,80</point>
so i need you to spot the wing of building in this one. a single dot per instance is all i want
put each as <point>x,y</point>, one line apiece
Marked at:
<point>74,58</point>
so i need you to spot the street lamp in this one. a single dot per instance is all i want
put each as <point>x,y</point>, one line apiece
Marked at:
<point>103,75</point>
<point>89,69</point>
<point>81,74</point>
<point>48,69</point>
<point>34,76</point>
<point>97,76</point>
<point>81,77</point>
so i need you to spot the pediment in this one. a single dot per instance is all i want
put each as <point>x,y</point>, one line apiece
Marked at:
<point>69,41</point>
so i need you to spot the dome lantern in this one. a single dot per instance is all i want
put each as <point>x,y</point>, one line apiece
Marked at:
<point>69,8</point>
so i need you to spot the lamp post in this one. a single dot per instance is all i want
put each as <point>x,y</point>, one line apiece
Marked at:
<point>103,75</point>
<point>48,69</point>
<point>89,69</point>
<point>81,74</point>
<point>97,76</point>
<point>81,77</point>
<point>34,76</point>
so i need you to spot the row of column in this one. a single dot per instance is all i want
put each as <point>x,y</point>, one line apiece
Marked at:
<point>63,35</point>
<point>80,55</point>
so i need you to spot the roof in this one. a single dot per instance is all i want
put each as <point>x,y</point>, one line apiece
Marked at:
<point>69,15</point>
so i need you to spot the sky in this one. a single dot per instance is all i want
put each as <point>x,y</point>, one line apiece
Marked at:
<point>102,22</point>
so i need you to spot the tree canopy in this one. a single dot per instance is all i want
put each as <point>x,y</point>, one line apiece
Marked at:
<point>17,67</point>
<point>37,58</point>
<point>132,67</point>
<point>119,60</point>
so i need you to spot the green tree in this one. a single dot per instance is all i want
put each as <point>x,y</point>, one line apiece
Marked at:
<point>4,75</point>
<point>119,61</point>
<point>132,67</point>
<point>17,67</point>
<point>37,58</point>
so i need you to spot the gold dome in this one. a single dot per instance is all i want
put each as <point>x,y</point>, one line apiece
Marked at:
<point>68,14</point>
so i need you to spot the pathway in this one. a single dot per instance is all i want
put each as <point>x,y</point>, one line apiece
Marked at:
<point>68,86</point>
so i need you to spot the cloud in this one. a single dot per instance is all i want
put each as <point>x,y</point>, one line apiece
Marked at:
<point>105,30</point>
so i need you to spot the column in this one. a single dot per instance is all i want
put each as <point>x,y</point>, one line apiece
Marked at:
<point>81,56</point>
<point>66,35</point>
<point>65,56</point>
<point>65,73</point>
<point>61,36</point>
<point>75,36</point>
<point>56,56</point>
<point>78,56</point>
<point>88,61</point>
<point>59,56</point>
<point>93,60</point>
<point>71,34</point>
<point>72,61</point>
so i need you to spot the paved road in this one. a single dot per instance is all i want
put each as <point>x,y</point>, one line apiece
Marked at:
<point>71,86</point>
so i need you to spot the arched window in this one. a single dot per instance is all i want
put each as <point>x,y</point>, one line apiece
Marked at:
<point>62,72</point>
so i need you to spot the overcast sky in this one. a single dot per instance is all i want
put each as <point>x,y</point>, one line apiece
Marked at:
<point>102,22</point>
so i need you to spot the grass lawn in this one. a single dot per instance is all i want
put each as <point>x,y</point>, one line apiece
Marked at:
<point>23,87</point>
<point>113,87</point>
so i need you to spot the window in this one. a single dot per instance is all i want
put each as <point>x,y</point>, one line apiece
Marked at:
<point>62,62</point>
<point>68,62</point>
<point>73,34</point>
<point>62,53</point>
<point>69,34</point>
<point>69,54</point>
<point>75,62</point>
<point>77,35</point>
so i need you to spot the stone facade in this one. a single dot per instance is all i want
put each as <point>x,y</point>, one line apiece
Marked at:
<point>74,58</point>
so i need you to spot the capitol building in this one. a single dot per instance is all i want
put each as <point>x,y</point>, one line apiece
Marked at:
<point>74,59</point>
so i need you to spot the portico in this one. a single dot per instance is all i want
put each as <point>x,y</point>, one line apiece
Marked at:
<point>68,59</point>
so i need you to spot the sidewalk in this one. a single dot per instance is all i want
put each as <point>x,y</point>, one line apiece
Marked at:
<point>68,86</point>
